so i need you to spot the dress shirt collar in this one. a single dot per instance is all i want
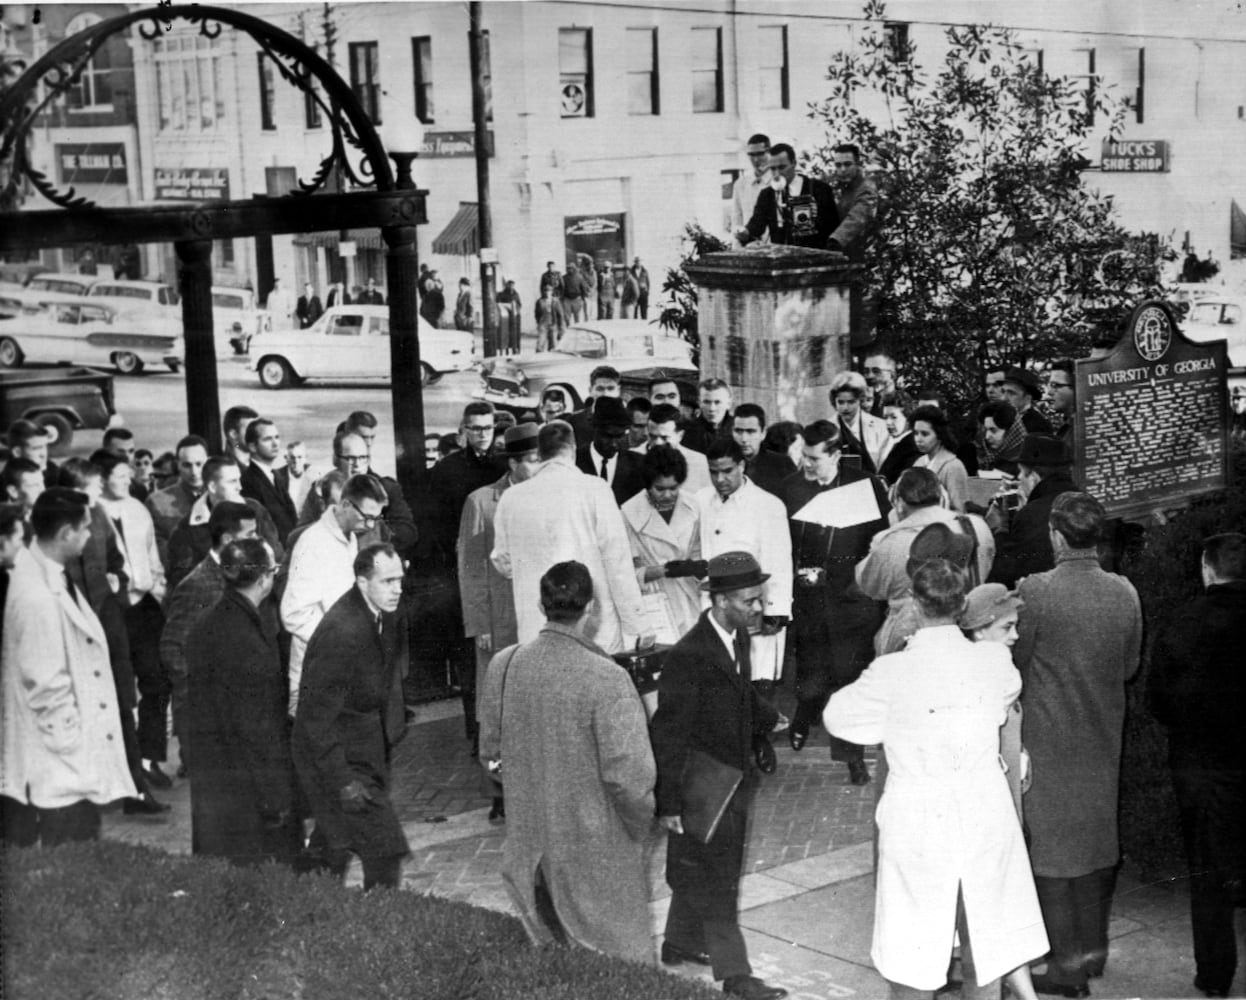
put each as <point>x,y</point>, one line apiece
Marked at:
<point>728,638</point>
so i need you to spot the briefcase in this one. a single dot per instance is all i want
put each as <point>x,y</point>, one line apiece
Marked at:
<point>644,666</point>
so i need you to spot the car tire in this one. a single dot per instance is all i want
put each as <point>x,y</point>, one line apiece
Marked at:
<point>59,430</point>
<point>427,375</point>
<point>275,373</point>
<point>10,354</point>
<point>127,363</point>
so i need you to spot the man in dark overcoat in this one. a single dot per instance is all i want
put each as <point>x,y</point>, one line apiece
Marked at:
<point>707,703</point>
<point>1198,690</point>
<point>1080,640</point>
<point>242,793</point>
<point>350,715</point>
<point>1023,547</point>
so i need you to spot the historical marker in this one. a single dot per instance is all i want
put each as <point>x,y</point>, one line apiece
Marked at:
<point>1152,420</point>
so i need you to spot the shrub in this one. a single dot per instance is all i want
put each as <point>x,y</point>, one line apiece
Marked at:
<point>119,922</point>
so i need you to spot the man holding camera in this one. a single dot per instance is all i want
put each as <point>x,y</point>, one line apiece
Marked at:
<point>794,209</point>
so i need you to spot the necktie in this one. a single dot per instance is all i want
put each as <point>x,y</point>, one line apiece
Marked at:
<point>743,661</point>
<point>605,472</point>
<point>380,624</point>
<point>69,585</point>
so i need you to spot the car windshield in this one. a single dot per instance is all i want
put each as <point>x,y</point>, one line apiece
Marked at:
<point>582,343</point>
<point>59,285</point>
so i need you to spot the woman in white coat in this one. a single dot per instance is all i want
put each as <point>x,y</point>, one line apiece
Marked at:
<point>951,853</point>
<point>664,533</point>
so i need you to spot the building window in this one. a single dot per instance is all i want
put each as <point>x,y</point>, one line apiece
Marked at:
<point>365,78</point>
<point>575,71</point>
<point>642,71</point>
<point>268,93</point>
<point>313,116</point>
<point>707,69</point>
<point>1136,101</point>
<point>190,87</point>
<point>1088,88</point>
<point>1033,58</point>
<point>422,64</point>
<point>223,251</point>
<point>772,69</point>
<point>93,91</point>
<point>896,41</point>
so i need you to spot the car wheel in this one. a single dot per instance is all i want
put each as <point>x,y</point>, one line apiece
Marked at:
<point>275,373</point>
<point>427,375</point>
<point>127,363</point>
<point>10,354</point>
<point>60,431</point>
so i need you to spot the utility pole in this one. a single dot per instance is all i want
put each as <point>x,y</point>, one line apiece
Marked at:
<point>488,255</point>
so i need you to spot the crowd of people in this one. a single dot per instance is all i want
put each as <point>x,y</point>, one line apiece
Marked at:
<point>287,614</point>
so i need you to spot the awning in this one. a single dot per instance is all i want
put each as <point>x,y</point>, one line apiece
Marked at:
<point>459,237</point>
<point>364,239</point>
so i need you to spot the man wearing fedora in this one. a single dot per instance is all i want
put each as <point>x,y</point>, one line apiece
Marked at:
<point>606,455</point>
<point>707,704</point>
<point>1022,388</point>
<point>1024,546</point>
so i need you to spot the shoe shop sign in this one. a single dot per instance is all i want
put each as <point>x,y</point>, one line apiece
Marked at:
<point>1151,430</point>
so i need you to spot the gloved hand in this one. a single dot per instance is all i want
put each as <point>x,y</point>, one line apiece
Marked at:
<point>355,798</point>
<point>683,567</point>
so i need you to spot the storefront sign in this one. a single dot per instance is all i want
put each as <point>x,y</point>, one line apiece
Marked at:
<point>91,162</point>
<point>1138,156</point>
<point>1151,429</point>
<point>593,225</point>
<point>192,184</point>
<point>451,144</point>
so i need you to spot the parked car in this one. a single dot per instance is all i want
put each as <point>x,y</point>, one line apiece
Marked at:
<point>83,332</point>
<point>67,283</point>
<point>151,298</point>
<point>352,342</point>
<point>236,319</point>
<point>516,382</point>
<point>61,401</point>
<point>1219,319</point>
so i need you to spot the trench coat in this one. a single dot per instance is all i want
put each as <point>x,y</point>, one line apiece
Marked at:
<point>655,542</point>
<point>579,777</point>
<point>350,715</point>
<point>558,515</point>
<point>946,818</point>
<point>61,727</point>
<point>1080,636</point>
<point>237,730</point>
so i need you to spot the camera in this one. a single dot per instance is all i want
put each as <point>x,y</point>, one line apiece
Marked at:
<point>804,215</point>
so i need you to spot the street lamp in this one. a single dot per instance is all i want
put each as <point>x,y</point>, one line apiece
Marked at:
<point>403,137</point>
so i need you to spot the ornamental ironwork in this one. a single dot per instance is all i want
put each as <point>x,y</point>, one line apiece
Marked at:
<point>355,150</point>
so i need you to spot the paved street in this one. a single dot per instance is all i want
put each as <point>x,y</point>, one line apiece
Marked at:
<point>806,898</point>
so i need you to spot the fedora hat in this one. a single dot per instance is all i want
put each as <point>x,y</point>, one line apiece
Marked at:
<point>1043,449</point>
<point>733,571</point>
<point>938,541</point>
<point>1026,379</point>
<point>609,411</point>
<point>521,439</point>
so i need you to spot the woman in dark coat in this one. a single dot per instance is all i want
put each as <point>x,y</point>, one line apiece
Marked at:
<point>242,788</point>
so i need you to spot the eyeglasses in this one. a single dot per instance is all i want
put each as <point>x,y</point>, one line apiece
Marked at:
<point>369,520</point>
<point>1060,385</point>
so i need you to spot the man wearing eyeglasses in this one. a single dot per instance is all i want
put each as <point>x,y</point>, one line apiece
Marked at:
<point>322,565</point>
<point>880,375</point>
<point>1062,396</point>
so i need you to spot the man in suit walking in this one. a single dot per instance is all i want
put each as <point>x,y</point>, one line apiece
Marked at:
<point>350,715</point>
<point>607,455</point>
<point>263,481</point>
<point>706,704</point>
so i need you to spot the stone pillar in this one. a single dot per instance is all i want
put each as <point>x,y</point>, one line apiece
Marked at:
<point>775,324</point>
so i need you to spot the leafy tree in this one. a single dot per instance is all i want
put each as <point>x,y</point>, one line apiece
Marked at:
<point>680,314</point>
<point>988,247</point>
